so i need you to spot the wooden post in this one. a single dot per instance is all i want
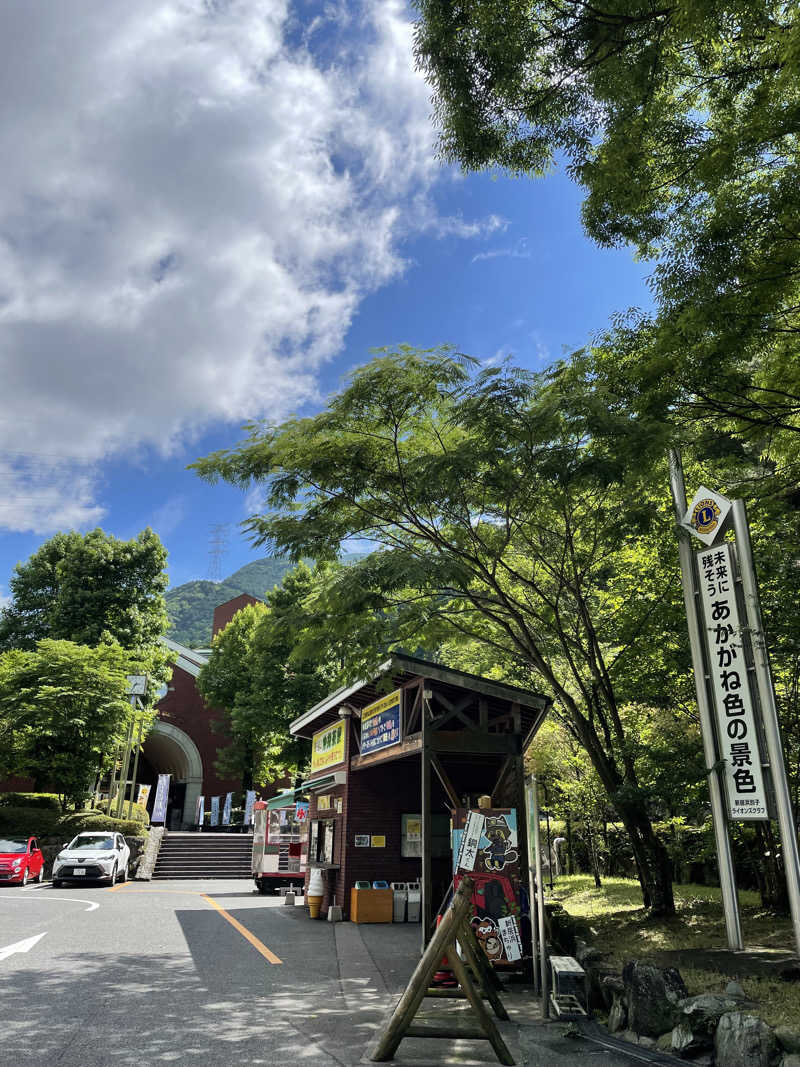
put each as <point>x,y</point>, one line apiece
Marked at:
<point>425,802</point>
<point>135,768</point>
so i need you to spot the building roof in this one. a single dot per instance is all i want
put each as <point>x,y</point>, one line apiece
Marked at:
<point>188,659</point>
<point>402,668</point>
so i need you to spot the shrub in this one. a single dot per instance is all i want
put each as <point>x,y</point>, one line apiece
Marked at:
<point>45,823</point>
<point>49,801</point>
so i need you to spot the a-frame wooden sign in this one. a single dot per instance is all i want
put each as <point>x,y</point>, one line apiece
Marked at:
<point>454,933</point>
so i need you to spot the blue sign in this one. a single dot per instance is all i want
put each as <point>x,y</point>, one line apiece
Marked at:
<point>380,724</point>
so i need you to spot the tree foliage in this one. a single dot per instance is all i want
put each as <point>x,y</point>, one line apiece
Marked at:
<point>252,674</point>
<point>87,588</point>
<point>498,516</point>
<point>64,711</point>
<point>681,122</point>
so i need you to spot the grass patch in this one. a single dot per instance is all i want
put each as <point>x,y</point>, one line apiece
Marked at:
<point>622,929</point>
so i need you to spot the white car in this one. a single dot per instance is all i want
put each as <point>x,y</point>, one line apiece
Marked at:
<point>93,855</point>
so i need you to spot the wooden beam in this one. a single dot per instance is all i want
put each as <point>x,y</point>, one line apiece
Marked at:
<point>475,743</point>
<point>483,713</point>
<point>426,882</point>
<point>447,785</point>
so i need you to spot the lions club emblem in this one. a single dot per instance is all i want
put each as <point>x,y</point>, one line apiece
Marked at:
<point>705,516</point>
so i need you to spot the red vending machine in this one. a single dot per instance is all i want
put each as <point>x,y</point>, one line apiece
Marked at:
<point>485,846</point>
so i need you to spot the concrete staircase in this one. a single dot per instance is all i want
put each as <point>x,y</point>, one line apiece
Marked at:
<point>204,855</point>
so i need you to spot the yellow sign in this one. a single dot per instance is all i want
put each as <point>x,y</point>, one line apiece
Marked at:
<point>327,747</point>
<point>378,841</point>
<point>371,710</point>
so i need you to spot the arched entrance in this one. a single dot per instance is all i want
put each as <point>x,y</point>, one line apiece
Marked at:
<point>169,750</point>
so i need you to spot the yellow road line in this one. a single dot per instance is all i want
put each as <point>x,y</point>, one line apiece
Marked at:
<point>259,946</point>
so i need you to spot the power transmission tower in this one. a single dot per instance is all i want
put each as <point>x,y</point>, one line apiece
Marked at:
<point>218,541</point>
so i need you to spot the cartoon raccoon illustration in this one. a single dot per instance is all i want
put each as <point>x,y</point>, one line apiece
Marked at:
<point>499,852</point>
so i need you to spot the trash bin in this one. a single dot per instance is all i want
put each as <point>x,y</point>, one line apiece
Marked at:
<point>380,884</point>
<point>414,902</point>
<point>400,898</point>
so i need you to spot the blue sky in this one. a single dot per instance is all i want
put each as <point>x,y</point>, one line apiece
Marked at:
<point>212,213</point>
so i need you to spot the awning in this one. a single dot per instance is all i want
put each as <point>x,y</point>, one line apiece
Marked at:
<point>325,782</point>
<point>285,799</point>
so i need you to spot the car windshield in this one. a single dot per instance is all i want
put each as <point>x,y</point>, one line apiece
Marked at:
<point>13,846</point>
<point>92,841</point>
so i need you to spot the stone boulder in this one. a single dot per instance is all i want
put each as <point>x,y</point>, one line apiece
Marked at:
<point>697,1022</point>
<point>652,995</point>
<point>788,1039</point>
<point>744,1040</point>
<point>792,1059</point>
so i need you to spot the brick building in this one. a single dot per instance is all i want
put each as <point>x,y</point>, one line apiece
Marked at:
<point>392,757</point>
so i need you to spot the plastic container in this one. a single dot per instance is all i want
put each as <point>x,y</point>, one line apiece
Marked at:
<point>362,884</point>
<point>379,884</point>
<point>399,900</point>
<point>414,902</point>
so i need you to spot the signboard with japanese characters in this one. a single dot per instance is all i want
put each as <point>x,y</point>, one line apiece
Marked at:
<point>736,716</point>
<point>327,747</point>
<point>380,723</point>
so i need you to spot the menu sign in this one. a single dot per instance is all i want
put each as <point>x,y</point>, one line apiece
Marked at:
<point>380,723</point>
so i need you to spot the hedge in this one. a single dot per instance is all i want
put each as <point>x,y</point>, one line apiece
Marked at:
<point>42,822</point>
<point>50,801</point>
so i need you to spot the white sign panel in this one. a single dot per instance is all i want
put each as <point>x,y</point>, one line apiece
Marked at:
<point>226,809</point>
<point>736,721</point>
<point>214,821</point>
<point>162,796</point>
<point>509,935</point>
<point>199,811</point>
<point>706,515</point>
<point>248,806</point>
<point>470,842</point>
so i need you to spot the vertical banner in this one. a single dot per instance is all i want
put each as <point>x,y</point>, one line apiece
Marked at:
<point>144,795</point>
<point>226,810</point>
<point>250,800</point>
<point>162,796</point>
<point>199,811</point>
<point>730,684</point>
<point>215,811</point>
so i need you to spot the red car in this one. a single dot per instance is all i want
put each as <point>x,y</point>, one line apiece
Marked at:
<point>21,860</point>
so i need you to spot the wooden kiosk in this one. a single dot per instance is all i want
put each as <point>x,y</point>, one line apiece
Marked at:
<point>393,757</point>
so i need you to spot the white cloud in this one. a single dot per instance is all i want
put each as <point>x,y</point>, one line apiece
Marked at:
<point>196,196</point>
<point>517,251</point>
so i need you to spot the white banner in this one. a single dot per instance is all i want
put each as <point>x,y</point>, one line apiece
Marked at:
<point>730,684</point>
<point>248,806</point>
<point>470,842</point>
<point>509,935</point>
<point>162,796</point>
<point>199,811</point>
<point>226,811</point>
<point>215,811</point>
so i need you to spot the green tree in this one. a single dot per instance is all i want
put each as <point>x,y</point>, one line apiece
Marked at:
<point>681,122</point>
<point>251,673</point>
<point>67,712</point>
<point>496,516</point>
<point>88,588</point>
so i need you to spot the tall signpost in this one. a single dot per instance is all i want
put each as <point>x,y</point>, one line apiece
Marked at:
<point>735,696</point>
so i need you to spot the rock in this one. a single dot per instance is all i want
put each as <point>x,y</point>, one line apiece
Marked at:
<point>788,1039</point>
<point>733,989</point>
<point>600,995</point>
<point>684,1041</point>
<point>790,974</point>
<point>664,1042</point>
<point>792,1060</point>
<point>652,996</point>
<point>744,1040</point>
<point>646,1042</point>
<point>618,1015</point>
<point>629,1035</point>
<point>699,1018</point>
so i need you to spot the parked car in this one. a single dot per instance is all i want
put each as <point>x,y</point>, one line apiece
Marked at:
<point>21,860</point>
<point>94,855</point>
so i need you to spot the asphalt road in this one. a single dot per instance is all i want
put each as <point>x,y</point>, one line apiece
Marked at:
<point>207,973</point>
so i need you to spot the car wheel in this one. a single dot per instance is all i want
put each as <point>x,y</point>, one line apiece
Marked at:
<point>114,876</point>
<point>57,883</point>
<point>40,875</point>
<point>25,877</point>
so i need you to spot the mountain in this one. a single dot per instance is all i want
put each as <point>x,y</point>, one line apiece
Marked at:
<point>191,606</point>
